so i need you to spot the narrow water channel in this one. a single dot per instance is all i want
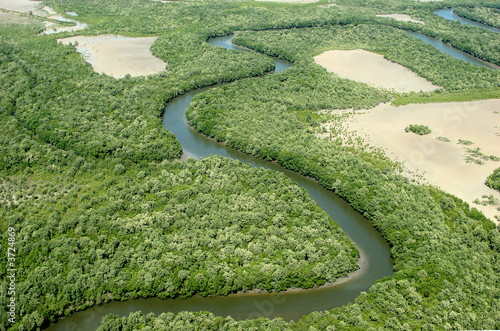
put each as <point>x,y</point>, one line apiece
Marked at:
<point>452,51</point>
<point>447,13</point>
<point>290,305</point>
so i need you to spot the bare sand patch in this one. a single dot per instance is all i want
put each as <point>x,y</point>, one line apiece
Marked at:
<point>441,164</point>
<point>49,10</point>
<point>373,69</point>
<point>22,6</point>
<point>52,27</point>
<point>118,56</point>
<point>25,7</point>
<point>13,18</point>
<point>401,17</point>
<point>290,1</point>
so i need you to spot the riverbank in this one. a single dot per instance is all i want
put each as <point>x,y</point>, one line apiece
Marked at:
<point>118,56</point>
<point>401,17</point>
<point>430,159</point>
<point>363,267</point>
<point>23,6</point>
<point>373,69</point>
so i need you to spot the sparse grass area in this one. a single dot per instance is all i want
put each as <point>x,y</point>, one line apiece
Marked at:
<point>474,155</point>
<point>444,96</point>
<point>465,142</point>
<point>443,139</point>
<point>487,200</point>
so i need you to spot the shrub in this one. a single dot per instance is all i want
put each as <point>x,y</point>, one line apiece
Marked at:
<point>418,129</point>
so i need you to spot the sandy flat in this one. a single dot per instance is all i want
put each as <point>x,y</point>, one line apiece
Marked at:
<point>118,56</point>
<point>373,69</point>
<point>13,18</point>
<point>290,1</point>
<point>401,17</point>
<point>54,28</point>
<point>23,6</point>
<point>442,164</point>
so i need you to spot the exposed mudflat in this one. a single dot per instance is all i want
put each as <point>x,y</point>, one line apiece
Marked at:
<point>118,56</point>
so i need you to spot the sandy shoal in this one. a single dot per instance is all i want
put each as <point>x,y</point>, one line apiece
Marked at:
<point>373,69</point>
<point>118,56</point>
<point>401,17</point>
<point>442,164</point>
<point>290,1</point>
<point>13,18</point>
<point>23,6</point>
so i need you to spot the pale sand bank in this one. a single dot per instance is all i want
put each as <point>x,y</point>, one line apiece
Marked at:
<point>401,17</point>
<point>373,69</point>
<point>290,1</point>
<point>54,28</point>
<point>49,10</point>
<point>442,164</point>
<point>13,18</point>
<point>22,6</point>
<point>27,6</point>
<point>118,56</point>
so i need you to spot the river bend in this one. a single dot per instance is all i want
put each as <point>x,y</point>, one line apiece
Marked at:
<point>290,305</point>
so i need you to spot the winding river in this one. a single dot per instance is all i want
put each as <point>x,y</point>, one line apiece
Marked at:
<point>447,13</point>
<point>452,51</point>
<point>290,305</point>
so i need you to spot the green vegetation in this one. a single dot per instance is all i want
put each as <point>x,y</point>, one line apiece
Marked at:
<point>188,321</point>
<point>487,200</point>
<point>421,130</point>
<point>103,209</point>
<point>443,139</point>
<point>446,96</point>
<point>474,155</point>
<point>250,116</point>
<point>465,142</point>
<point>484,15</point>
<point>112,229</point>
<point>493,180</point>
<point>300,45</point>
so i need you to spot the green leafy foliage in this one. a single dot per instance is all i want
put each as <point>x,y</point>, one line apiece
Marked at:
<point>430,231</point>
<point>189,321</point>
<point>103,210</point>
<point>206,227</point>
<point>484,15</point>
<point>493,180</point>
<point>419,129</point>
<point>397,46</point>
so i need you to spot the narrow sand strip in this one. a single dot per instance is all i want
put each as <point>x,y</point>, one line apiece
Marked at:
<point>118,56</point>
<point>373,69</point>
<point>441,164</point>
<point>401,17</point>
<point>13,18</point>
<point>25,7</point>
<point>22,6</point>
<point>289,1</point>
